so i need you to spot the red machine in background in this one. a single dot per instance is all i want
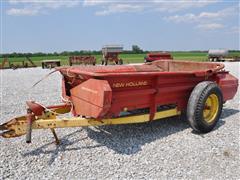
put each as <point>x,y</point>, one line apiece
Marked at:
<point>86,60</point>
<point>110,54</point>
<point>154,56</point>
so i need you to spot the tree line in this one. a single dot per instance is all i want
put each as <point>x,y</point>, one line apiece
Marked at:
<point>135,50</point>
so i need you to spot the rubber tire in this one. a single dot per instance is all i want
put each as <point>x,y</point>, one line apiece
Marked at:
<point>196,105</point>
<point>102,62</point>
<point>120,62</point>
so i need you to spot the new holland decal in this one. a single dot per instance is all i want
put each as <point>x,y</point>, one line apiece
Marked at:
<point>129,84</point>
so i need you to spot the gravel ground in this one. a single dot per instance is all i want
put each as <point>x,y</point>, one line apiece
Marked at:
<point>159,150</point>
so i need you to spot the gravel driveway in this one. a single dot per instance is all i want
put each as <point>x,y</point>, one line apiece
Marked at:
<point>158,150</point>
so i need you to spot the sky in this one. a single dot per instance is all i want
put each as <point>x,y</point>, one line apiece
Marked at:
<point>69,25</point>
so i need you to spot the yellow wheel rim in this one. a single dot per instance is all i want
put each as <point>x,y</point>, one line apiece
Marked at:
<point>211,108</point>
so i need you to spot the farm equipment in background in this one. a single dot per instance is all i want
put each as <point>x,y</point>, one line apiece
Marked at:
<point>7,64</point>
<point>110,54</point>
<point>154,56</point>
<point>108,95</point>
<point>5,60</point>
<point>221,55</point>
<point>51,63</point>
<point>86,60</point>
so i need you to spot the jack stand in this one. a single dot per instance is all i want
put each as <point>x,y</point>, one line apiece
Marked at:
<point>30,118</point>
<point>55,136</point>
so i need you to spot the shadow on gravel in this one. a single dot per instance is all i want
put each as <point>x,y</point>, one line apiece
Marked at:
<point>129,139</point>
<point>124,139</point>
<point>218,125</point>
<point>226,112</point>
<point>62,147</point>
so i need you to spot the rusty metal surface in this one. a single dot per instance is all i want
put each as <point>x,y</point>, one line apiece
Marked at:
<point>162,67</point>
<point>35,108</point>
<point>13,128</point>
<point>19,126</point>
<point>98,69</point>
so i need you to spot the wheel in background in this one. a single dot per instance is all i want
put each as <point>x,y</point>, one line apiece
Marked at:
<point>204,106</point>
<point>120,61</point>
<point>106,62</point>
<point>102,61</point>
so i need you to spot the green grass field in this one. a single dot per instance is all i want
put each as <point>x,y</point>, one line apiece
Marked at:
<point>127,58</point>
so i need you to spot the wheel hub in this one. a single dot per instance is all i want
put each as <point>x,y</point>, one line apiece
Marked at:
<point>211,108</point>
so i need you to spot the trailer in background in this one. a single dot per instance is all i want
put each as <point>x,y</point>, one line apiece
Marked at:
<point>219,55</point>
<point>78,60</point>
<point>110,54</point>
<point>51,63</point>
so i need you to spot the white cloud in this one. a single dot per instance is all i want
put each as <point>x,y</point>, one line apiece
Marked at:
<point>34,7</point>
<point>174,6</point>
<point>182,18</point>
<point>94,2</point>
<point>46,3</point>
<point>107,7</point>
<point>119,8</point>
<point>210,26</point>
<point>22,12</point>
<point>20,1</point>
<point>205,20</point>
<point>204,16</point>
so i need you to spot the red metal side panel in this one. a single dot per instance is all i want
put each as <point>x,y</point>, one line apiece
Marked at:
<point>228,85</point>
<point>139,92</point>
<point>92,98</point>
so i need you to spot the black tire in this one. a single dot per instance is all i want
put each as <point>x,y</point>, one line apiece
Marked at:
<point>106,62</point>
<point>102,61</point>
<point>120,61</point>
<point>197,106</point>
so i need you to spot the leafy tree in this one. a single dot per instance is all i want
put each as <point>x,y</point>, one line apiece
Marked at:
<point>136,49</point>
